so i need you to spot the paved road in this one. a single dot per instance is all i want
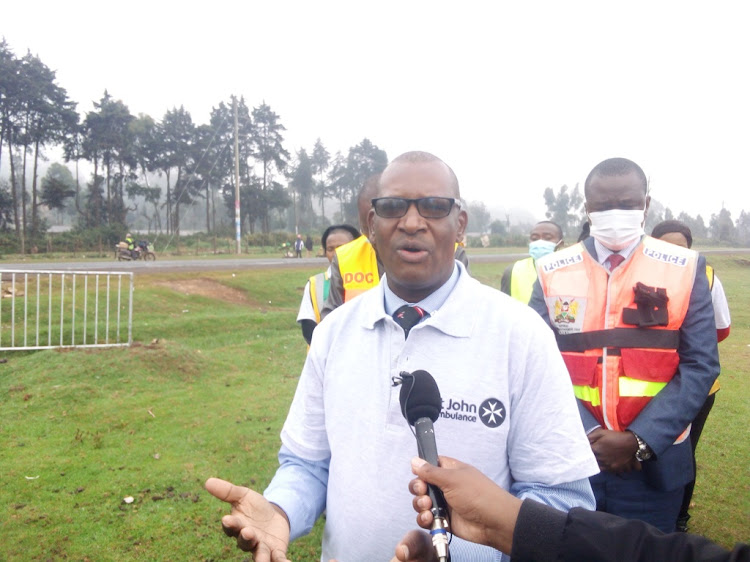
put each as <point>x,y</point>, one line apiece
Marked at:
<point>223,264</point>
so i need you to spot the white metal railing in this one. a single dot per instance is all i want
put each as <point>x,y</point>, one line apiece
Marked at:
<point>53,309</point>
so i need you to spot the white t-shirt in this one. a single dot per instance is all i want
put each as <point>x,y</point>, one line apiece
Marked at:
<point>508,408</point>
<point>721,306</point>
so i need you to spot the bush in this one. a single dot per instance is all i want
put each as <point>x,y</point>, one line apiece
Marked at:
<point>273,239</point>
<point>9,243</point>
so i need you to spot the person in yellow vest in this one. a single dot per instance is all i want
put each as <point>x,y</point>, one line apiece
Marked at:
<point>676,232</point>
<point>355,267</point>
<point>518,278</point>
<point>316,290</point>
<point>634,322</point>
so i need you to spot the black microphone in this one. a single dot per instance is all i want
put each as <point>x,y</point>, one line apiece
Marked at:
<point>421,405</point>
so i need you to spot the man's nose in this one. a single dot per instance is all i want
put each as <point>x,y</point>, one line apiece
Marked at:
<point>412,220</point>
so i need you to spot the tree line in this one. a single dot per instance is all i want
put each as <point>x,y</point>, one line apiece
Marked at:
<point>195,161</point>
<point>196,167</point>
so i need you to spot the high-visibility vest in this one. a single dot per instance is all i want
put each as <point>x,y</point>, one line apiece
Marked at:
<point>522,278</point>
<point>358,266</point>
<point>319,287</point>
<point>617,367</point>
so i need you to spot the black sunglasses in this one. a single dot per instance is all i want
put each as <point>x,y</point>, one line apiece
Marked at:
<point>428,207</point>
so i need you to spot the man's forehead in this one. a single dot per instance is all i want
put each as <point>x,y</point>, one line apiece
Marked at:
<point>417,176</point>
<point>615,183</point>
<point>543,227</point>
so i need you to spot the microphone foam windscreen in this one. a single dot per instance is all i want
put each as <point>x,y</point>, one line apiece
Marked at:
<point>420,397</point>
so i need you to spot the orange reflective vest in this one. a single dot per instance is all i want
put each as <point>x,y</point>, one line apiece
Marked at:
<point>358,266</point>
<point>619,332</point>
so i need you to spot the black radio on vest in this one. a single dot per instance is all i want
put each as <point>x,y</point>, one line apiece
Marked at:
<point>421,404</point>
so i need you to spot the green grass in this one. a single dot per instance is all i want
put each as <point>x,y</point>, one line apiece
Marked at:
<point>204,392</point>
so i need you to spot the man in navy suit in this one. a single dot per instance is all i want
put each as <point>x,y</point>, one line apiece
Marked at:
<point>634,322</point>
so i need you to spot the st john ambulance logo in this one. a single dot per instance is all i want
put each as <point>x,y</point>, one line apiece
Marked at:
<point>492,412</point>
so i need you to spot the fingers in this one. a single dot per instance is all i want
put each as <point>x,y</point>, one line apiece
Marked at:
<point>249,541</point>
<point>415,547</point>
<point>279,556</point>
<point>450,462</point>
<point>231,525</point>
<point>425,519</point>
<point>595,435</point>
<point>225,491</point>
<point>418,487</point>
<point>422,505</point>
<point>433,474</point>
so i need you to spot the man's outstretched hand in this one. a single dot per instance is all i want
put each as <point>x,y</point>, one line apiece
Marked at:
<point>259,526</point>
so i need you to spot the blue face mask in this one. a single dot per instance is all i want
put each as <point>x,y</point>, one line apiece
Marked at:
<point>540,248</point>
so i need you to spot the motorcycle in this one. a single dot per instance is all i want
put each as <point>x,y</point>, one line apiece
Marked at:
<point>141,252</point>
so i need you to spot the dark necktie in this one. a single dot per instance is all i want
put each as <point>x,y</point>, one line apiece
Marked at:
<point>614,260</point>
<point>409,316</point>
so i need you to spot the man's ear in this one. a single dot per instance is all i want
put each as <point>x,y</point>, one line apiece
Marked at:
<point>370,224</point>
<point>463,221</point>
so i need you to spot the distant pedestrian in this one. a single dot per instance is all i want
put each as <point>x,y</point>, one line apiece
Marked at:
<point>299,244</point>
<point>309,245</point>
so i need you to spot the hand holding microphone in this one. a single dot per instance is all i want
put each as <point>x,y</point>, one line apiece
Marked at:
<point>421,405</point>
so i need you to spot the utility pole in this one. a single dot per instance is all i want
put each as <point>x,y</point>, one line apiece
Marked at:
<point>237,222</point>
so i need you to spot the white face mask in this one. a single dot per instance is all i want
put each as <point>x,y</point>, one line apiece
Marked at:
<point>540,248</point>
<point>617,228</point>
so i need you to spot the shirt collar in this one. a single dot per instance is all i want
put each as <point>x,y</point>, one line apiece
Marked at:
<point>602,252</point>
<point>431,303</point>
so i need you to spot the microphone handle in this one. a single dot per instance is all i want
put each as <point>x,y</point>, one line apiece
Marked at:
<point>427,450</point>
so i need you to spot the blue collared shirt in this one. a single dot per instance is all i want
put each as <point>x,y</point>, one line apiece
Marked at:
<point>603,253</point>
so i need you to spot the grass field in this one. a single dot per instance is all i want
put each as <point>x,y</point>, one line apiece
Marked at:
<point>204,392</point>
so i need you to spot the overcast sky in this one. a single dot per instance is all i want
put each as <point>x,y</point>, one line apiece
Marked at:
<point>515,96</point>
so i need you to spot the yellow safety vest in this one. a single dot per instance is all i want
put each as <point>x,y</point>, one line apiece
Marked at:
<point>522,278</point>
<point>319,287</point>
<point>358,266</point>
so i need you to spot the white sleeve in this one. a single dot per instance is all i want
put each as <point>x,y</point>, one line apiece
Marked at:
<point>306,311</point>
<point>304,432</point>
<point>548,443</point>
<point>721,306</point>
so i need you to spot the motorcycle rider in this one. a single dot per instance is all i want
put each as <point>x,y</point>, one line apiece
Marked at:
<point>131,244</point>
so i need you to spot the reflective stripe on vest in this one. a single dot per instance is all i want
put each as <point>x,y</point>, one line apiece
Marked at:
<point>522,278</point>
<point>616,368</point>
<point>319,286</point>
<point>358,266</point>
